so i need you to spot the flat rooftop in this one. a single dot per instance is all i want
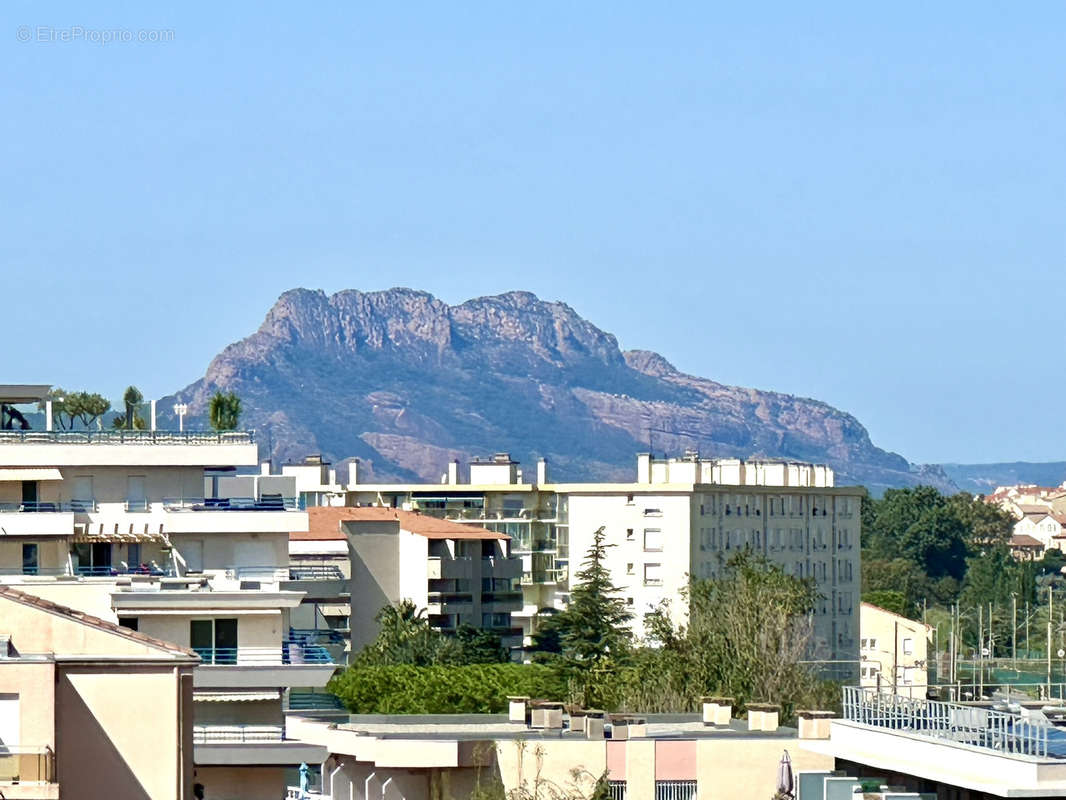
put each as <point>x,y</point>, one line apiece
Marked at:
<point>479,727</point>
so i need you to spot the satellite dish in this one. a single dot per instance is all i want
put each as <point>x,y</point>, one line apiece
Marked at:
<point>1062,652</point>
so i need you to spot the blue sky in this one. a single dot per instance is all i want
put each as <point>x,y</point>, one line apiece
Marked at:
<point>863,205</point>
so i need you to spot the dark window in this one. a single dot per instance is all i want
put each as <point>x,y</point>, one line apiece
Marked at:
<point>128,622</point>
<point>29,558</point>
<point>214,639</point>
<point>29,492</point>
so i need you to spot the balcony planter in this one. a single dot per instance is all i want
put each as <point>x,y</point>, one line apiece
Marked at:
<point>546,714</point>
<point>594,719</point>
<point>516,709</point>
<point>814,724</point>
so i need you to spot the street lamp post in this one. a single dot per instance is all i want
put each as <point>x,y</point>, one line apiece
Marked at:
<point>181,409</point>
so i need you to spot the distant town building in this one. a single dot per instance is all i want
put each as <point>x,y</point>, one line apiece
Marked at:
<point>894,652</point>
<point>1040,512</point>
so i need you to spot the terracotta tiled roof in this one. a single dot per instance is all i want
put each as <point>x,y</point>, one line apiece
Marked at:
<point>27,599</point>
<point>325,524</point>
<point>1023,540</point>
<point>1032,510</point>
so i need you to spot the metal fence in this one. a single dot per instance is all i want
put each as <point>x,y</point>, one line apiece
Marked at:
<point>617,790</point>
<point>675,790</point>
<point>962,724</point>
<point>236,734</point>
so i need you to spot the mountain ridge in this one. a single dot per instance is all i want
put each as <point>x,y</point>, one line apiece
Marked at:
<point>405,382</point>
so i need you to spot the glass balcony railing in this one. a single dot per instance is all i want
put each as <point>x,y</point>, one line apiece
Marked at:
<point>20,764</point>
<point>127,437</point>
<point>265,503</point>
<point>46,507</point>
<point>315,572</point>
<point>296,650</point>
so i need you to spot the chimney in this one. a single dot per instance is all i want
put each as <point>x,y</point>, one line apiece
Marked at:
<point>453,472</point>
<point>814,724</point>
<point>763,717</point>
<point>717,711</point>
<point>332,477</point>
<point>643,467</point>
<point>353,472</point>
<point>542,471</point>
<point>264,468</point>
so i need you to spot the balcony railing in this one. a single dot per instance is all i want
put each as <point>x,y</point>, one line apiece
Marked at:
<point>542,576</point>
<point>127,437</point>
<point>290,652</point>
<point>44,507</point>
<point>237,734</point>
<point>26,764</point>
<point>316,635</point>
<point>950,722</point>
<point>275,503</point>
<point>314,701</point>
<point>316,572</point>
<point>264,574</point>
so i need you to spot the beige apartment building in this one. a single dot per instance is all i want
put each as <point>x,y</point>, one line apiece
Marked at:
<point>181,536</point>
<point>460,574</point>
<point>89,709</point>
<point>679,518</point>
<point>894,652</point>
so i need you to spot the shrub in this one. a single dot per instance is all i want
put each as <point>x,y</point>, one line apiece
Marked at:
<point>466,689</point>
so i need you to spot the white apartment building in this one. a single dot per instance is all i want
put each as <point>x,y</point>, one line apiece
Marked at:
<point>177,535</point>
<point>894,651</point>
<point>679,518</point>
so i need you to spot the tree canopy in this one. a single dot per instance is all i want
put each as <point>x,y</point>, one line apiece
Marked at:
<point>224,411</point>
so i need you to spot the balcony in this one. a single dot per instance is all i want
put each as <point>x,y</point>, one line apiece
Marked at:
<point>250,745</point>
<point>33,448</point>
<point>36,519</point>
<point>292,651</point>
<point>543,576</point>
<point>493,567</point>
<point>316,572</point>
<point>449,603</point>
<point>444,568</point>
<point>26,765</point>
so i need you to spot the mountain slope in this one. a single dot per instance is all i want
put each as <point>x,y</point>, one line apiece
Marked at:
<point>984,478</point>
<point>406,382</point>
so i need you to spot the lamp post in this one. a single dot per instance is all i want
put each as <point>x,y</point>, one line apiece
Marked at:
<point>181,409</point>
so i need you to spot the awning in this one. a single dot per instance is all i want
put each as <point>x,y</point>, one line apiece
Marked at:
<point>210,696</point>
<point>30,474</point>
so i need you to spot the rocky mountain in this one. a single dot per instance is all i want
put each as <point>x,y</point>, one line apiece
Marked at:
<point>406,382</point>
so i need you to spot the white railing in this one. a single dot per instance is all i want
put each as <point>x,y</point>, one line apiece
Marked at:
<point>675,790</point>
<point>237,734</point>
<point>971,725</point>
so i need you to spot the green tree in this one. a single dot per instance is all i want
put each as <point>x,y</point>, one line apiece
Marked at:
<point>405,637</point>
<point>225,411</point>
<point>747,632</point>
<point>479,646</point>
<point>131,419</point>
<point>592,634</point>
<point>890,600</point>
<point>937,541</point>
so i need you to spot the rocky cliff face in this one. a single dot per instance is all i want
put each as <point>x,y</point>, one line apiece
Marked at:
<point>406,382</point>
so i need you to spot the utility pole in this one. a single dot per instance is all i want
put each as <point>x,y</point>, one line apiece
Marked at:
<point>981,649</point>
<point>1014,629</point>
<point>1049,659</point>
<point>1027,653</point>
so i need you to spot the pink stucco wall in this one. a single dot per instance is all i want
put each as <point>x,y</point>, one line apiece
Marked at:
<point>616,761</point>
<point>675,760</point>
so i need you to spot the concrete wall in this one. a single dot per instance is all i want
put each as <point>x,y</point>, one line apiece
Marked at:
<point>243,712</point>
<point>884,640</point>
<point>620,514</point>
<point>375,570</point>
<point>246,783</point>
<point>34,683</point>
<point>254,630</point>
<point>119,732</point>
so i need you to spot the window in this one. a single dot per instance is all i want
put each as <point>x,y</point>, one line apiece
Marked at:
<point>94,558</point>
<point>653,512</point>
<point>629,499</point>
<point>136,499</point>
<point>617,790</point>
<point>129,622</point>
<point>629,601</point>
<point>653,575</point>
<point>908,647</point>
<point>629,568</point>
<point>29,558</point>
<point>495,620</point>
<point>133,555</point>
<point>653,539</point>
<point>629,534</point>
<point>214,640</point>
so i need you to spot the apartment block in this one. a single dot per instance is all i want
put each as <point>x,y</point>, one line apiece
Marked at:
<point>460,574</point>
<point>183,537</point>
<point>89,709</point>
<point>679,518</point>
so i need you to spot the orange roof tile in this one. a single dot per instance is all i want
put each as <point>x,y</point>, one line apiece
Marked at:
<point>1024,540</point>
<point>325,524</point>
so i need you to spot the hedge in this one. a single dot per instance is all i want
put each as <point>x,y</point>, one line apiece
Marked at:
<point>469,689</point>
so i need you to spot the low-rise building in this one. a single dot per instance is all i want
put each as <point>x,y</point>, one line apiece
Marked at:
<point>90,709</point>
<point>653,757</point>
<point>894,652</point>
